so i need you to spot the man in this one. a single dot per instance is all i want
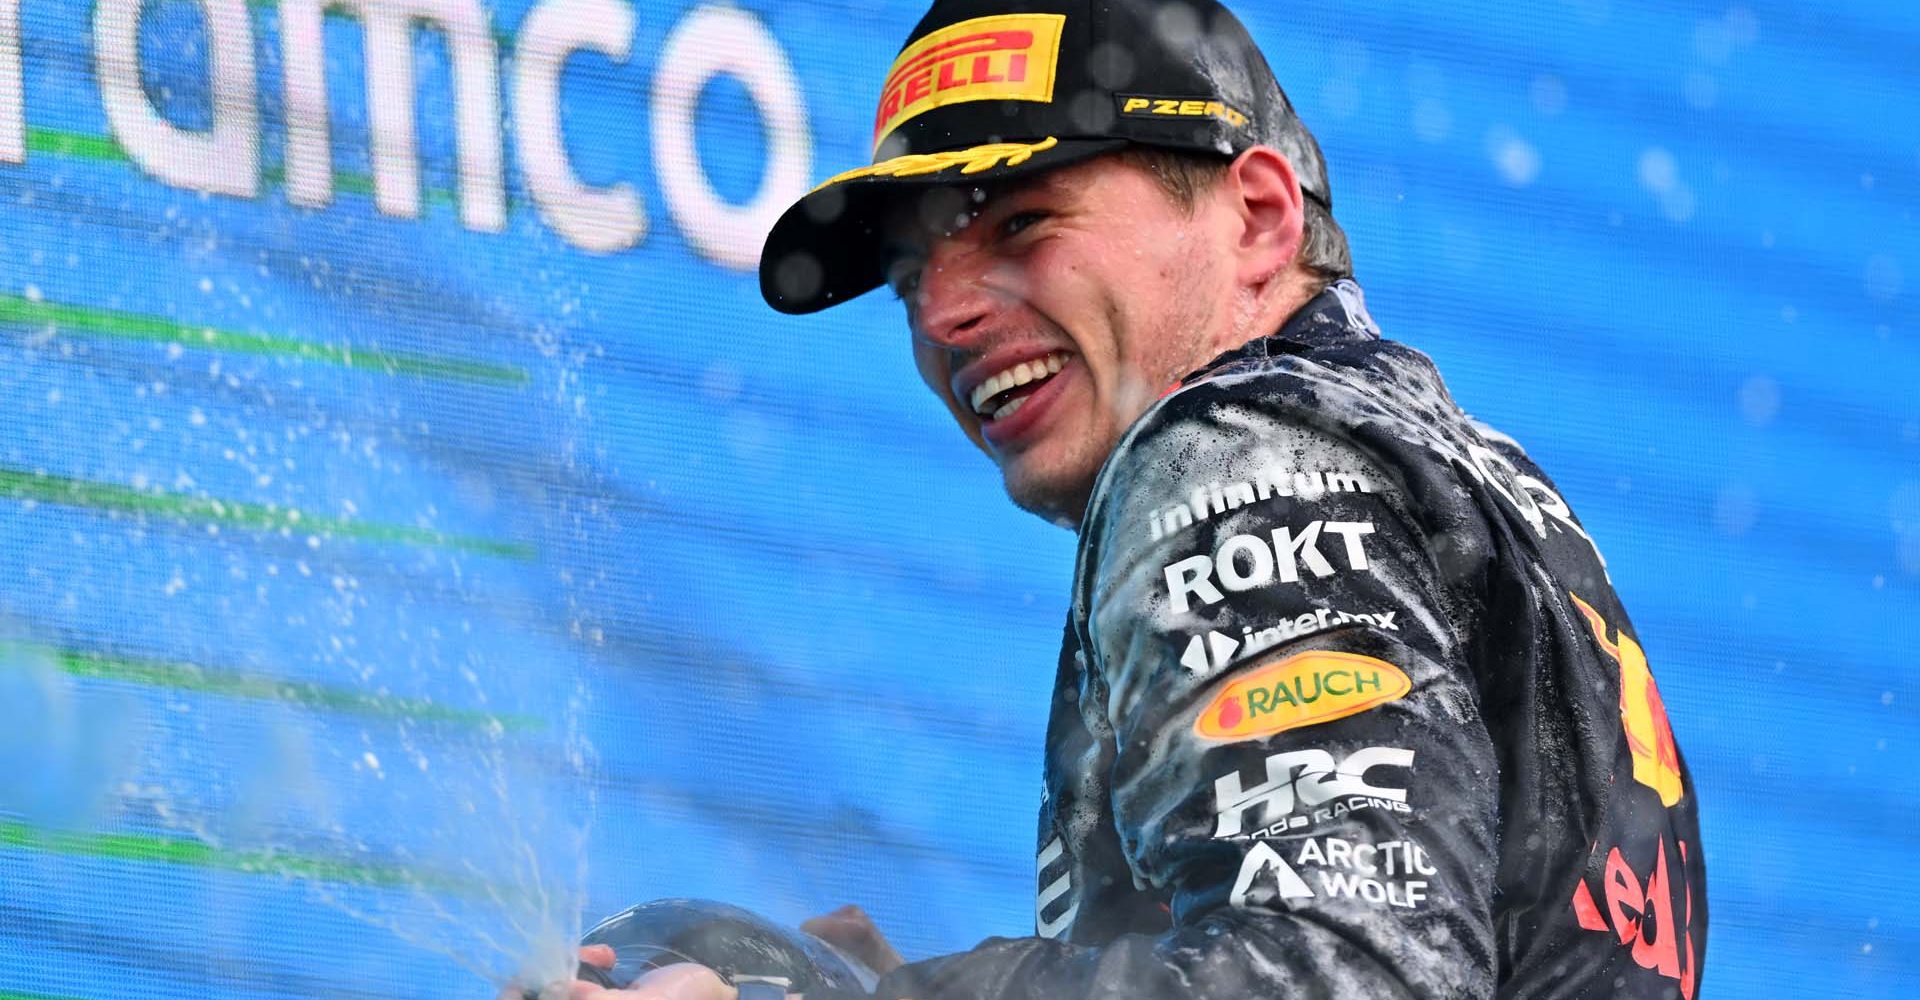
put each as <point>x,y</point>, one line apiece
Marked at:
<point>1347,706</point>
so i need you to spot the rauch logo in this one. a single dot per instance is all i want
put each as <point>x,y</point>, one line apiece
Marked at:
<point>1302,690</point>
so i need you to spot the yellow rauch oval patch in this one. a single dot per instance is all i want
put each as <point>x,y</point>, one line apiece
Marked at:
<point>1301,690</point>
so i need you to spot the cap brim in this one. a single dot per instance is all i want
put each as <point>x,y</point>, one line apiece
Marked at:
<point>826,248</point>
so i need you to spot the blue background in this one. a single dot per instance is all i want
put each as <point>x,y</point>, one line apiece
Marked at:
<point>548,500</point>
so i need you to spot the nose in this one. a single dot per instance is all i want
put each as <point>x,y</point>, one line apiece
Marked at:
<point>954,298</point>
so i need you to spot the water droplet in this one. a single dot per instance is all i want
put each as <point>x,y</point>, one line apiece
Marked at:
<point>1516,159</point>
<point>1549,94</point>
<point>1759,400</point>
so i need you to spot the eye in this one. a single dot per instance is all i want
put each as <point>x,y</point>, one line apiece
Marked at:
<point>903,277</point>
<point>1020,222</point>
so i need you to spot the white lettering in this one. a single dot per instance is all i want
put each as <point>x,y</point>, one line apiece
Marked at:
<point>1528,496</point>
<point>713,40</point>
<point>1227,562</point>
<point>224,159</point>
<point>13,112</point>
<point>1373,872</point>
<point>1193,576</point>
<point>1262,859</point>
<point>1406,896</point>
<point>1303,778</point>
<point>602,221</point>
<point>1562,515</point>
<point>1297,549</point>
<point>1278,481</point>
<point>1496,472</point>
<point>1393,858</point>
<point>1350,532</point>
<point>1190,578</point>
<point>390,95</point>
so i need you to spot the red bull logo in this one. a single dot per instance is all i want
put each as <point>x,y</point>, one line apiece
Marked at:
<point>1643,714</point>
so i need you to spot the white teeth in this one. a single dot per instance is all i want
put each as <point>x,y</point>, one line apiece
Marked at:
<point>1007,411</point>
<point>1018,375</point>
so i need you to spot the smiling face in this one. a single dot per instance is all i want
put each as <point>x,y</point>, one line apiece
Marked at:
<point>1050,314</point>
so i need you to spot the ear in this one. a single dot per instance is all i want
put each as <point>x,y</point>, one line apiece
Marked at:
<point>1265,193</point>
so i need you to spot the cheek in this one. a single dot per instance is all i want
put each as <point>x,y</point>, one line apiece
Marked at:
<point>933,367</point>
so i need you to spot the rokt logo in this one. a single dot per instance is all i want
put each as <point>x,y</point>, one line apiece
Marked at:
<point>1289,553</point>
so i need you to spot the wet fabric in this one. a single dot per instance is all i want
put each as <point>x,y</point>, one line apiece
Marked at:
<point>1347,706</point>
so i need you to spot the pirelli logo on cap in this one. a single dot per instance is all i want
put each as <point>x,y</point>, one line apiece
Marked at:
<point>1007,57</point>
<point>1305,689</point>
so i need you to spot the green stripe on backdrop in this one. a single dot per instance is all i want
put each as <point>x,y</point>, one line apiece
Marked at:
<point>194,853</point>
<point>100,148</point>
<point>161,330</point>
<point>260,687</point>
<point>5,995</point>
<point>20,484</point>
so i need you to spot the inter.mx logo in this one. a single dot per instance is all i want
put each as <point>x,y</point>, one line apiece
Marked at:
<point>1216,651</point>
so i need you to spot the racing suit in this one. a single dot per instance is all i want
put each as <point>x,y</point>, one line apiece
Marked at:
<point>1346,707</point>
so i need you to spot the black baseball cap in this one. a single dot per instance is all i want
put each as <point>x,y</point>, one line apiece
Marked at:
<point>988,90</point>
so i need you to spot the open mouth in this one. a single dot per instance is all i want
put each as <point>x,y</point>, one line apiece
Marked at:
<point>1002,395</point>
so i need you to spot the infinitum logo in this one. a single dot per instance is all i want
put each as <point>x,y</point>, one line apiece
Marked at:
<point>1214,498</point>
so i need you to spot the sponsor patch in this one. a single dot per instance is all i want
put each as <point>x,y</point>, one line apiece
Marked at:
<point>1639,913</point>
<point>1214,652</point>
<point>1007,57</point>
<point>1643,715</point>
<point>1393,874</point>
<point>1151,106</point>
<point>1279,481</point>
<point>1245,562</point>
<point>1302,690</point>
<point>1307,787</point>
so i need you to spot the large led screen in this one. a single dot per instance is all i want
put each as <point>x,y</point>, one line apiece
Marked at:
<point>417,536</point>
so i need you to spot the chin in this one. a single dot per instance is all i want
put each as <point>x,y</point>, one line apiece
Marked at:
<point>1055,495</point>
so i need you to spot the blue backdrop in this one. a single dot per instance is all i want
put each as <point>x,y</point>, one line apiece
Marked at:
<point>348,549</point>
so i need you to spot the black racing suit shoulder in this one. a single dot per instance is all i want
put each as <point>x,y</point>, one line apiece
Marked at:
<point>1346,706</point>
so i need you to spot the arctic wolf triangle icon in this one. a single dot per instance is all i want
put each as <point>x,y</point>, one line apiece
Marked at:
<point>1251,889</point>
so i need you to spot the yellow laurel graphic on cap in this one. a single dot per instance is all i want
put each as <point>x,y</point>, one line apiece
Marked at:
<point>970,161</point>
<point>1305,689</point>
